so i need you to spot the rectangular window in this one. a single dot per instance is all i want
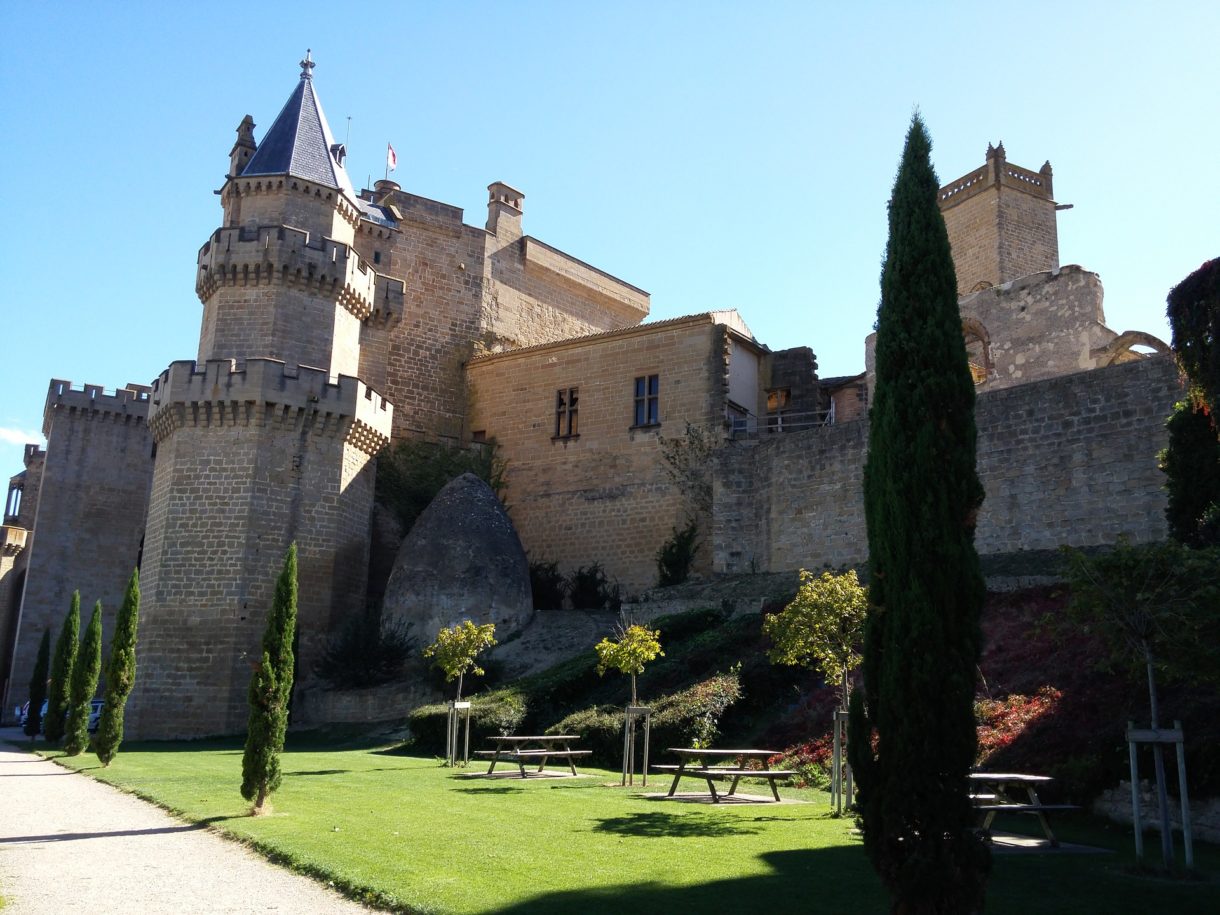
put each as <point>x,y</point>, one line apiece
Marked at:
<point>566,403</point>
<point>647,400</point>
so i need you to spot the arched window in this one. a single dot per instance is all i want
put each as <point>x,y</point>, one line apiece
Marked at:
<point>978,350</point>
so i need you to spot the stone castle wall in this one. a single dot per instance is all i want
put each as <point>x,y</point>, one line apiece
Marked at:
<point>249,460</point>
<point>603,495</point>
<point>1065,460</point>
<point>91,509</point>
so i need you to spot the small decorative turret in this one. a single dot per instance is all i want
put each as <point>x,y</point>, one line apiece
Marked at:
<point>244,148</point>
<point>307,66</point>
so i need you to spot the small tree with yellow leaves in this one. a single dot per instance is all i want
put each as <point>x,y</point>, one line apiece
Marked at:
<point>635,647</point>
<point>822,628</point>
<point>456,649</point>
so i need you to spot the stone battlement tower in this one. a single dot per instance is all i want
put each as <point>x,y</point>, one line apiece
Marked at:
<point>269,437</point>
<point>1001,222</point>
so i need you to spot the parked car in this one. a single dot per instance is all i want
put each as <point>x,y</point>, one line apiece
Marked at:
<point>95,714</point>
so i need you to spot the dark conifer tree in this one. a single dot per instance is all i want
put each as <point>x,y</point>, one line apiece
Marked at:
<point>38,686</point>
<point>270,692</point>
<point>1191,463</point>
<point>120,673</point>
<point>922,636</point>
<point>84,684</point>
<point>61,673</point>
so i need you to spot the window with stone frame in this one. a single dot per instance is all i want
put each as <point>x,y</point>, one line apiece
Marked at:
<point>567,400</point>
<point>647,401</point>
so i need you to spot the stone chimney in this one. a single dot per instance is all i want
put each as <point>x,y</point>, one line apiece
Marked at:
<point>504,210</point>
<point>244,148</point>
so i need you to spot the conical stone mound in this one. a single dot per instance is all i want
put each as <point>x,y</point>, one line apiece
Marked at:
<point>461,560</point>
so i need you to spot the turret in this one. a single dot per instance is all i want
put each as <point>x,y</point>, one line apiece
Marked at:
<point>244,148</point>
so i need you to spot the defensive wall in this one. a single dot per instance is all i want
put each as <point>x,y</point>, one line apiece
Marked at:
<point>251,457</point>
<point>1067,460</point>
<point>90,512</point>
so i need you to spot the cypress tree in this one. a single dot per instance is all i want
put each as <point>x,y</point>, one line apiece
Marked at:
<point>1191,464</point>
<point>270,692</point>
<point>38,686</point>
<point>84,685</point>
<point>914,733</point>
<point>120,673</point>
<point>61,673</point>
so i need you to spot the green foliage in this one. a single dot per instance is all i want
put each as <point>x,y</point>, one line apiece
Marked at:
<point>1191,464</point>
<point>367,651</point>
<point>1194,316</point>
<point>688,464</point>
<point>676,555</point>
<point>457,647</point>
<point>822,627</point>
<point>270,691</point>
<point>589,589</point>
<point>60,697</point>
<point>120,673</point>
<point>411,473</point>
<point>922,636</point>
<point>547,585</point>
<point>635,647</point>
<point>498,713</point>
<point>687,718</point>
<point>38,686</point>
<point>1154,603</point>
<point>85,672</point>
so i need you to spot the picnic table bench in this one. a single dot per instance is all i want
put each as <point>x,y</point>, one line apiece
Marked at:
<point>712,773</point>
<point>999,792</point>
<point>530,747</point>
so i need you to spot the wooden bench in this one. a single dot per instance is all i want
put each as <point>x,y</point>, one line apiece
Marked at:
<point>999,792</point>
<point>711,774</point>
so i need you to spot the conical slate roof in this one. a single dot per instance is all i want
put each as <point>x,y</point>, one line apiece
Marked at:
<point>300,143</point>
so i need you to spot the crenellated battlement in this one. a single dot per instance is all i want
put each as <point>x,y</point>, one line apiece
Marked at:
<point>263,392</point>
<point>129,403</point>
<point>287,184</point>
<point>282,255</point>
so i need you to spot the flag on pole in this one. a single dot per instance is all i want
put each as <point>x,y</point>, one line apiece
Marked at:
<point>391,157</point>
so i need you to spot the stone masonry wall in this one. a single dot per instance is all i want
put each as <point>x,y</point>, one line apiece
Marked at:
<point>90,513</point>
<point>248,462</point>
<point>603,495</point>
<point>1066,460</point>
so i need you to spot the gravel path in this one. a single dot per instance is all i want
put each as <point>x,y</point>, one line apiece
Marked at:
<point>68,843</point>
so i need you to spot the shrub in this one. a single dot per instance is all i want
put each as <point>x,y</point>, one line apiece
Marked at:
<point>689,717</point>
<point>589,589</point>
<point>1001,722</point>
<point>677,555</point>
<point>367,651</point>
<point>494,714</point>
<point>547,585</point>
<point>811,761</point>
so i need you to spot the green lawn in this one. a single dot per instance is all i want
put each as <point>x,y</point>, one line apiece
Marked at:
<point>420,838</point>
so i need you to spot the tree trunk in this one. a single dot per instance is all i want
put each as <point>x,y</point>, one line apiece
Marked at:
<point>634,699</point>
<point>459,694</point>
<point>1158,762</point>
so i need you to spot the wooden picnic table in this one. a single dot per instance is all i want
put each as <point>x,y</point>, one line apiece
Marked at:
<point>521,748</point>
<point>1012,792</point>
<point>710,772</point>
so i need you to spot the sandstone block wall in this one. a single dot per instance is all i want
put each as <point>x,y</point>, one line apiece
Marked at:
<point>603,495</point>
<point>90,512</point>
<point>469,290</point>
<point>248,461</point>
<point>1065,460</point>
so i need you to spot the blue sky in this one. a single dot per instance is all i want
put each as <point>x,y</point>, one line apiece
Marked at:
<point>715,154</point>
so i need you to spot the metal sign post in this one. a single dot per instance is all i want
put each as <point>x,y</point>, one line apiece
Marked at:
<point>633,715</point>
<point>840,771</point>
<point>452,731</point>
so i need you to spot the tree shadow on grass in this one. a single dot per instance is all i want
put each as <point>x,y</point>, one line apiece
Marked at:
<point>659,825</point>
<point>317,772</point>
<point>77,836</point>
<point>489,789</point>
<point>829,881</point>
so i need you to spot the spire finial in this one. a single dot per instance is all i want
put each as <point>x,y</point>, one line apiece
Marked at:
<point>307,66</point>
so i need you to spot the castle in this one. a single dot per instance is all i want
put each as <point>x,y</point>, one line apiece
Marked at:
<point>336,322</point>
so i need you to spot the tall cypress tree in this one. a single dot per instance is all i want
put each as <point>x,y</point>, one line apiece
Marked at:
<point>922,636</point>
<point>270,692</point>
<point>61,672</point>
<point>120,673</point>
<point>1191,463</point>
<point>84,684</point>
<point>38,687</point>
